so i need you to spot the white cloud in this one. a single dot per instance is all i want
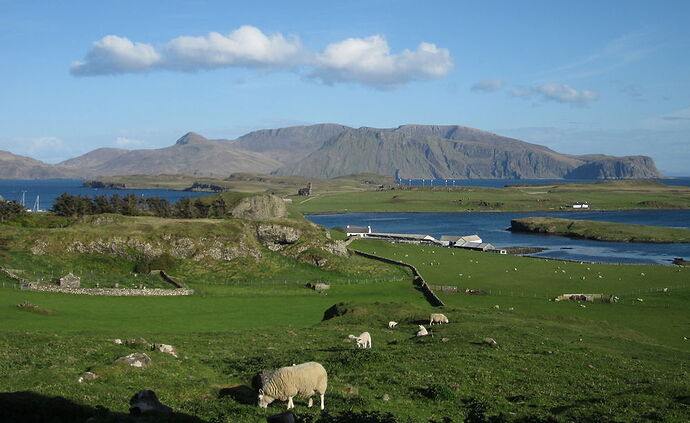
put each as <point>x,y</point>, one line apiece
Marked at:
<point>115,55</point>
<point>367,61</point>
<point>247,46</point>
<point>370,62</point>
<point>561,93</point>
<point>123,142</point>
<point>488,85</point>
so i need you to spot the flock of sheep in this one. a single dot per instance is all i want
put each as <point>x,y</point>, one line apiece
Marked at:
<point>307,379</point>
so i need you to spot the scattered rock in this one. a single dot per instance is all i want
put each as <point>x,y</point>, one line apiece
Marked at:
<point>146,401</point>
<point>349,389</point>
<point>136,341</point>
<point>445,339</point>
<point>590,366</point>
<point>87,376</point>
<point>497,307</point>
<point>490,342</point>
<point>318,286</point>
<point>69,281</point>
<point>139,360</point>
<point>165,348</point>
<point>117,341</point>
<point>386,397</point>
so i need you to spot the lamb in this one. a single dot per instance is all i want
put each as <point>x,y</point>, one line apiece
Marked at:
<point>422,331</point>
<point>392,324</point>
<point>437,318</point>
<point>363,340</point>
<point>286,383</point>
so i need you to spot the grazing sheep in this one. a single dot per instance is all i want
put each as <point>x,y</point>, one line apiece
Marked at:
<point>665,289</point>
<point>288,382</point>
<point>363,340</point>
<point>422,331</point>
<point>392,324</point>
<point>437,318</point>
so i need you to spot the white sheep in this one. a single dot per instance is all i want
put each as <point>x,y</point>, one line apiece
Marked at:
<point>422,331</point>
<point>437,318</point>
<point>363,340</point>
<point>392,324</point>
<point>286,383</point>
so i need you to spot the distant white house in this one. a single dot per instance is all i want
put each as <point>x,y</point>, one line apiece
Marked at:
<point>580,205</point>
<point>352,230</point>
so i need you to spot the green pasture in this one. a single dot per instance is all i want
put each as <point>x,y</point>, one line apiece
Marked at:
<point>601,231</point>
<point>622,195</point>
<point>545,368</point>
<point>527,284</point>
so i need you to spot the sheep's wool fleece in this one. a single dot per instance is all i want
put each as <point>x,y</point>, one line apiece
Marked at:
<point>438,317</point>
<point>299,380</point>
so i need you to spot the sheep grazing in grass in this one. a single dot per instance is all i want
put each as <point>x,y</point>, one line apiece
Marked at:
<point>422,331</point>
<point>392,324</point>
<point>363,340</point>
<point>285,383</point>
<point>437,318</point>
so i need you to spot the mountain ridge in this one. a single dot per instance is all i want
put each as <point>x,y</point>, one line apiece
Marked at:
<point>332,150</point>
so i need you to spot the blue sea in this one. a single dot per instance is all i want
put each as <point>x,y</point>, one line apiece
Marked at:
<point>48,189</point>
<point>492,228</point>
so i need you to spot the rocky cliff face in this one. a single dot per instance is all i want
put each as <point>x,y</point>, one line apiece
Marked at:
<point>631,167</point>
<point>417,151</point>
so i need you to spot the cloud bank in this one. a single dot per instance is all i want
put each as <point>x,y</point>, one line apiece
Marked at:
<point>367,61</point>
<point>561,93</point>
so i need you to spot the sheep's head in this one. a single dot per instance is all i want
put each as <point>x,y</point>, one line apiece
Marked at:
<point>264,400</point>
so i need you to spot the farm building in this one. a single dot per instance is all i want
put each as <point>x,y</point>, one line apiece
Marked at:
<point>580,205</point>
<point>352,230</point>
<point>453,240</point>
<point>408,238</point>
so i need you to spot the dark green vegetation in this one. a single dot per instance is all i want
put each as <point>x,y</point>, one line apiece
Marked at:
<point>599,231</point>
<point>613,195</point>
<point>555,361</point>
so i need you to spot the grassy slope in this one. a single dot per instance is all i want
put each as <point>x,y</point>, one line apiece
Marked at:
<point>601,231</point>
<point>107,270</point>
<point>618,195</point>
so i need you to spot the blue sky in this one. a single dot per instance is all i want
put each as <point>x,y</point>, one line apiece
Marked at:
<point>579,77</point>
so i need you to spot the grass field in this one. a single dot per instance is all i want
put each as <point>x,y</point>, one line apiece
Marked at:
<point>600,231</point>
<point>616,195</point>
<point>555,361</point>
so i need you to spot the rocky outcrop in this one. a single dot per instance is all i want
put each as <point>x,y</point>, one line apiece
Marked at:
<point>138,360</point>
<point>631,167</point>
<point>276,237</point>
<point>146,402</point>
<point>259,207</point>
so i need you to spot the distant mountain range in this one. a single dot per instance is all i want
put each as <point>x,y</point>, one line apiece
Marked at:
<point>330,150</point>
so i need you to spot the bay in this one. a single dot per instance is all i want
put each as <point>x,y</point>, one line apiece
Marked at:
<point>49,189</point>
<point>491,227</point>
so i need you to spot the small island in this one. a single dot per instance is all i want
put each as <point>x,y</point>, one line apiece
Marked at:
<point>600,231</point>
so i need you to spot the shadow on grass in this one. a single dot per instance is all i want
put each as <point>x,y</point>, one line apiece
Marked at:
<point>242,394</point>
<point>30,407</point>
